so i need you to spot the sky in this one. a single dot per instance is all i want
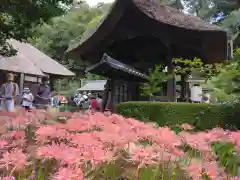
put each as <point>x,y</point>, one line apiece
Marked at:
<point>95,2</point>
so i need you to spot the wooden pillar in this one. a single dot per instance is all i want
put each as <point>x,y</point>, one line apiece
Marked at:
<point>113,96</point>
<point>106,95</point>
<point>171,84</point>
<point>21,83</point>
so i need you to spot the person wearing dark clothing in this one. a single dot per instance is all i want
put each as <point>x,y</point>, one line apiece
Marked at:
<point>43,96</point>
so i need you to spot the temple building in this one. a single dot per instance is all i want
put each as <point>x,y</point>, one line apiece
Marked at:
<point>137,35</point>
<point>30,65</point>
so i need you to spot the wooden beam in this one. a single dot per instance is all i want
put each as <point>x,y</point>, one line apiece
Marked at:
<point>21,83</point>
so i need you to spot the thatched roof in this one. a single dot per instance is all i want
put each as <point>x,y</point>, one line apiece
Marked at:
<point>174,17</point>
<point>160,21</point>
<point>19,64</point>
<point>30,60</point>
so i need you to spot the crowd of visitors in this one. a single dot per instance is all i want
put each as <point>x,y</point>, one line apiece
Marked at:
<point>43,99</point>
<point>10,91</point>
<point>88,101</point>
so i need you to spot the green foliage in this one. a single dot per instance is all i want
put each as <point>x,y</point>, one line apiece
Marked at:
<point>232,22</point>
<point>156,79</point>
<point>68,108</point>
<point>211,70</point>
<point>173,3</point>
<point>228,156</point>
<point>18,17</point>
<point>67,87</point>
<point>186,66</point>
<point>90,76</point>
<point>208,9</point>
<point>53,38</point>
<point>225,85</point>
<point>202,116</point>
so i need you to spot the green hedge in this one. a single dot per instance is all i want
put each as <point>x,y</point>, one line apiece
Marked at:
<point>68,108</point>
<point>202,116</point>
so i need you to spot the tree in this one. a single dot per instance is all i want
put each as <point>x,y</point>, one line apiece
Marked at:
<point>173,3</point>
<point>210,9</point>
<point>156,79</point>
<point>224,6</point>
<point>18,17</point>
<point>53,37</point>
<point>232,22</point>
<point>225,85</point>
<point>184,68</point>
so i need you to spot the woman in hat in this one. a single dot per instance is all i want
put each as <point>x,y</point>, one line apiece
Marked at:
<point>9,92</point>
<point>27,99</point>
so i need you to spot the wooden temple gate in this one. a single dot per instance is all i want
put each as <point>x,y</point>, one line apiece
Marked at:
<point>123,81</point>
<point>142,33</point>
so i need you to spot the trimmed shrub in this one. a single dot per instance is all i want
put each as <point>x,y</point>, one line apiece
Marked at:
<point>67,108</point>
<point>202,116</point>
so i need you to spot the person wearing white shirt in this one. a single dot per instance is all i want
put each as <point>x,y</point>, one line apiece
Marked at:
<point>78,99</point>
<point>196,93</point>
<point>99,103</point>
<point>27,99</point>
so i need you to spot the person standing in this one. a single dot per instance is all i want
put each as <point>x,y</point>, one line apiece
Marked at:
<point>9,92</point>
<point>93,103</point>
<point>99,103</point>
<point>86,103</point>
<point>27,99</point>
<point>43,96</point>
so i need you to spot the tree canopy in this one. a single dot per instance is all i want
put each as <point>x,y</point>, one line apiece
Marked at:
<point>54,37</point>
<point>18,17</point>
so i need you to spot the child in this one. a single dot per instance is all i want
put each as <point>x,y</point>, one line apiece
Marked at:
<point>27,99</point>
<point>94,103</point>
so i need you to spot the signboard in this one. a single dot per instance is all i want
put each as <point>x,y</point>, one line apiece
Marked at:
<point>30,78</point>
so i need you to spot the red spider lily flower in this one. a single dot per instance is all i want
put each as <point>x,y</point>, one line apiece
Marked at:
<point>8,114</point>
<point>186,127</point>
<point>150,156</point>
<point>3,144</point>
<point>77,125</point>
<point>236,137</point>
<point>111,139</point>
<point>20,121</point>
<point>48,132</point>
<point>212,170</point>
<point>68,174</point>
<point>64,114</point>
<point>97,155</point>
<point>218,134</point>
<point>167,138</point>
<point>14,135</point>
<point>62,153</point>
<point>194,170</point>
<point>8,178</point>
<point>15,159</point>
<point>196,141</point>
<point>234,178</point>
<point>85,139</point>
